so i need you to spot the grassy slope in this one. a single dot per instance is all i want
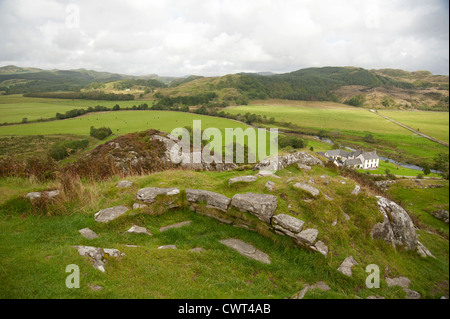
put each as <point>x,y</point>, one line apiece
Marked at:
<point>36,249</point>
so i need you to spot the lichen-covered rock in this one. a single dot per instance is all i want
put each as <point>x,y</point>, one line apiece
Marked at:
<point>261,205</point>
<point>307,188</point>
<point>97,255</point>
<point>149,194</point>
<point>397,227</point>
<point>244,179</point>
<point>423,251</point>
<point>212,199</point>
<point>321,247</point>
<point>307,236</point>
<point>111,213</point>
<point>288,225</point>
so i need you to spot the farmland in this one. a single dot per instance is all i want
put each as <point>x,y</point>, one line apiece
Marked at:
<point>350,125</point>
<point>13,108</point>
<point>434,124</point>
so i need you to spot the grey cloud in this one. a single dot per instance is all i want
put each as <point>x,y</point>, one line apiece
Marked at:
<point>217,37</point>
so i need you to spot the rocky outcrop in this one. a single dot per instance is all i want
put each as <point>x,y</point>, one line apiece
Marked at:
<point>397,227</point>
<point>149,194</point>
<point>280,162</point>
<point>108,214</point>
<point>441,214</point>
<point>212,199</point>
<point>246,250</point>
<point>307,188</point>
<point>261,205</point>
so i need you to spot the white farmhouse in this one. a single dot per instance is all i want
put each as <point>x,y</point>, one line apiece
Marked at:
<point>355,159</point>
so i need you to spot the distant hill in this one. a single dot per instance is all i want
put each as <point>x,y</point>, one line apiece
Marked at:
<point>350,85</point>
<point>383,88</point>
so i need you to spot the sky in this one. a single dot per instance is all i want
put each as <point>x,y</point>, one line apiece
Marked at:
<point>218,37</point>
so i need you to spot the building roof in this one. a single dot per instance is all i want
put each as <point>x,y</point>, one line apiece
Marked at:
<point>370,155</point>
<point>353,161</point>
<point>339,153</point>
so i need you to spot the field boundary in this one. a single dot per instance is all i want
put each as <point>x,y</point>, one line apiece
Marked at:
<point>411,129</point>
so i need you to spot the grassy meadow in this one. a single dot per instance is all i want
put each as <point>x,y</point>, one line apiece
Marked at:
<point>15,107</point>
<point>36,247</point>
<point>434,124</point>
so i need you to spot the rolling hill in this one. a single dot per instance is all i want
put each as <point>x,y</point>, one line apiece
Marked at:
<point>384,88</point>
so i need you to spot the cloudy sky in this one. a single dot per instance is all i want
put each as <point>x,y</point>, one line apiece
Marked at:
<point>217,37</point>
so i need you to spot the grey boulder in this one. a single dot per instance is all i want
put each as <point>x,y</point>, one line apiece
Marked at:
<point>307,188</point>
<point>244,179</point>
<point>261,205</point>
<point>397,227</point>
<point>111,213</point>
<point>212,199</point>
<point>246,250</point>
<point>346,266</point>
<point>149,194</point>
<point>288,225</point>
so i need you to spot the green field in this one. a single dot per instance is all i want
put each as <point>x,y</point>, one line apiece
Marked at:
<point>349,125</point>
<point>121,122</point>
<point>435,124</point>
<point>13,108</point>
<point>343,119</point>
